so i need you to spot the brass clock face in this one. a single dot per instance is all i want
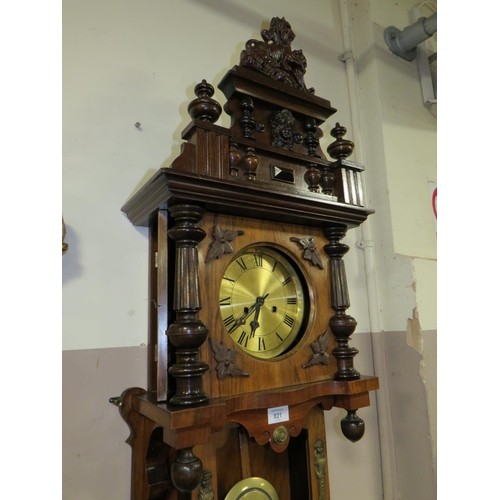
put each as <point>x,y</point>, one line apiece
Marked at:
<point>262,301</point>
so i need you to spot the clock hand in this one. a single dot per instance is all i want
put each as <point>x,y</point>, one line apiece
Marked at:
<point>243,319</point>
<point>255,324</point>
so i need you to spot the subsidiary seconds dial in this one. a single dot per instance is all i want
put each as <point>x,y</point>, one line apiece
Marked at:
<point>262,301</point>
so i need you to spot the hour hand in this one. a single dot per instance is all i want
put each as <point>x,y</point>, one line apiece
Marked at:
<point>243,319</point>
<point>255,323</point>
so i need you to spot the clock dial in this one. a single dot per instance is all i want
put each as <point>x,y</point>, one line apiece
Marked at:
<point>262,301</point>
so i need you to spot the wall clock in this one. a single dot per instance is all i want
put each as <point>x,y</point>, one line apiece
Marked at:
<point>248,326</point>
<point>263,301</point>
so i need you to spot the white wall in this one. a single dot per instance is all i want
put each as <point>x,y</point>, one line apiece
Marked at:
<point>129,61</point>
<point>400,137</point>
<point>132,61</point>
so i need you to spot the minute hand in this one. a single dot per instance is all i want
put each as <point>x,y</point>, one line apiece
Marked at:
<point>255,324</point>
<point>243,319</point>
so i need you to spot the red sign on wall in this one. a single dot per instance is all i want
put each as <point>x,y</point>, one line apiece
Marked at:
<point>434,197</point>
<point>434,202</point>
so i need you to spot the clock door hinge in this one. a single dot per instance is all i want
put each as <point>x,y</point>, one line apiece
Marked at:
<point>156,259</point>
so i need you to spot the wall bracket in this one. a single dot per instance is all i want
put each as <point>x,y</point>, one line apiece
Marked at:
<point>404,43</point>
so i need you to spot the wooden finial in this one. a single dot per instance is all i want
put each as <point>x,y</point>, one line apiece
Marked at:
<point>311,141</point>
<point>204,108</point>
<point>352,426</point>
<point>341,148</point>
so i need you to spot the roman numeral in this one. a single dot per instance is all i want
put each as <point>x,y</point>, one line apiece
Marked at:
<point>291,300</point>
<point>243,338</point>
<point>275,264</point>
<point>258,259</point>
<point>278,335</point>
<point>226,301</point>
<point>228,279</point>
<point>286,281</point>
<point>241,263</point>
<point>227,321</point>
<point>262,344</point>
<point>289,321</point>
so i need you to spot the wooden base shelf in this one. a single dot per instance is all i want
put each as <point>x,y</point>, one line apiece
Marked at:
<point>214,414</point>
<point>161,433</point>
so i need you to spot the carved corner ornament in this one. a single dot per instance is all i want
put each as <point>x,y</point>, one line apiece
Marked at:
<point>310,250</point>
<point>64,245</point>
<point>222,243</point>
<point>226,359</point>
<point>274,56</point>
<point>320,354</point>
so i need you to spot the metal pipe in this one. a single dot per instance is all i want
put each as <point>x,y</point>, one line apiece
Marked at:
<point>404,43</point>
<point>387,451</point>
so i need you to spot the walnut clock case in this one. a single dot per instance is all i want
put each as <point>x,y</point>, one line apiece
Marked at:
<point>248,326</point>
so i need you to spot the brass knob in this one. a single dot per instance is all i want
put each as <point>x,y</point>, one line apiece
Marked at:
<point>280,434</point>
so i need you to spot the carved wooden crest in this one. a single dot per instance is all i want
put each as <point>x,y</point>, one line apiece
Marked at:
<point>274,57</point>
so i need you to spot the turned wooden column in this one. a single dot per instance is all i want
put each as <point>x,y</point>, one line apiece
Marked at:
<point>342,325</point>
<point>187,333</point>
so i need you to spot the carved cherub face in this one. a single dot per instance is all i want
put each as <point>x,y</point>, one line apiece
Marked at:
<point>283,122</point>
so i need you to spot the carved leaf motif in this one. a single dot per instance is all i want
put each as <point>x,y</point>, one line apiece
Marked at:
<point>319,348</point>
<point>222,243</point>
<point>310,250</point>
<point>226,359</point>
<point>220,351</point>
